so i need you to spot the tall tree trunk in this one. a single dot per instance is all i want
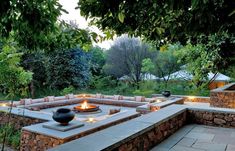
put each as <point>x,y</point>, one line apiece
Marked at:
<point>32,89</point>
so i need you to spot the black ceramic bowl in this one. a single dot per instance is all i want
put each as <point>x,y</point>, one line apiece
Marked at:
<point>166,93</point>
<point>63,116</point>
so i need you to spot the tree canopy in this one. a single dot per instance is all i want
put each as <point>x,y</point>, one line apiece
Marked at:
<point>165,19</point>
<point>207,22</point>
<point>29,21</point>
<point>125,58</point>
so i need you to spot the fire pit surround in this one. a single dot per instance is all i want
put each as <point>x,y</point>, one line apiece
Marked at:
<point>86,108</point>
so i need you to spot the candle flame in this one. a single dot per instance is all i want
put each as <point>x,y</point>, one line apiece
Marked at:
<point>90,119</point>
<point>4,105</point>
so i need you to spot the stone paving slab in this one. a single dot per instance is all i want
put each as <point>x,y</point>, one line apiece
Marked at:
<point>209,146</point>
<point>184,148</point>
<point>224,139</point>
<point>186,142</point>
<point>200,135</point>
<point>59,127</point>
<point>230,147</point>
<point>200,138</point>
<point>163,115</point>
<point>173,139</point>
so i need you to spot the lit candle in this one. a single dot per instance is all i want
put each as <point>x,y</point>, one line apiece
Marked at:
<point>90,119</point>
<point>191,97</point>
<point>3,105</point>
<point>158,101</point>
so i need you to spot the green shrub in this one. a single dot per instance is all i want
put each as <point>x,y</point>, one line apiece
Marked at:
<point>12,137</point>
<point>101,83</point>
<point>68,90</point>
<point>146,93</point>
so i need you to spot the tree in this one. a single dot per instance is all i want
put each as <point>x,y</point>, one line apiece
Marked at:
<point>30,22</point>
<point>125,57</point>
<point>68,68</point>
<point>97,60</point>
<point>199,62</point>
<point>166,62</point>
<point>168,21</point>
<point>35,62</point>
<point>13,78</point>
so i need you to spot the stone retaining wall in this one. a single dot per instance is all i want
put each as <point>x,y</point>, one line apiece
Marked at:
<point>199,99</point>
<point>154,136</point>
<point>31,141</point>
<point>223,97</point>
<point>18,121</point>
<point>212,118</point>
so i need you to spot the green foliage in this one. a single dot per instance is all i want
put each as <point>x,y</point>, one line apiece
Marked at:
<point>67,37</point>
<point>166,61</point>
<point>97,60</point>
<point>147,88</point>
<point>199,61</point>
<point>231,72</point>
<point>125,58</point>
<point>45,91</point>
<point>13,78</point>
<point>147,66</point>
<point>146,93</point>
<point>100,82</point>
<point>208,22</point>
<point>165,20</point>
<point>13,136</point>
<point>35,62</point>
<point>68,68</point>
<point>68,90</point>
<point>30,21</point>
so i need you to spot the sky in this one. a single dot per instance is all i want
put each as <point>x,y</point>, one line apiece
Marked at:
<point>74,16</point>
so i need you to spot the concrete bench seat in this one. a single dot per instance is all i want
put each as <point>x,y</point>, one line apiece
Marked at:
<point>43,105</point>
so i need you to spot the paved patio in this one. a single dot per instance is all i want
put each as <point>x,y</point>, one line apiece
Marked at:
<point>199,138</point>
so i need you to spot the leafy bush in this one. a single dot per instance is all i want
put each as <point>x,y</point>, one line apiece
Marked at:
<point>99,82</point>
<point>146,93</point>
<point>13,136</point>
<point>68,68</point>
<point>68,90</point>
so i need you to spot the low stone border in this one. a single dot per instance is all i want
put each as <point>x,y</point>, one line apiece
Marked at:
<point>141,133</point>
<point>147,108</point>
<point>44,105</point>
<point>223,97</point>
<point>144,132</point>
<point>188,98</point>
<point>18,121</point>
<point>37,137</point>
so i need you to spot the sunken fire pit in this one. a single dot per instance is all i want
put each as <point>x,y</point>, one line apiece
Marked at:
<point>86,108</point>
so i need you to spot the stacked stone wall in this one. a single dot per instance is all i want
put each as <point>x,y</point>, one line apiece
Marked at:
<point>224,99</point>
<point>212,118</point>
<point>31,141</point>
<point>157,134</point>
<point>18,121</point>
